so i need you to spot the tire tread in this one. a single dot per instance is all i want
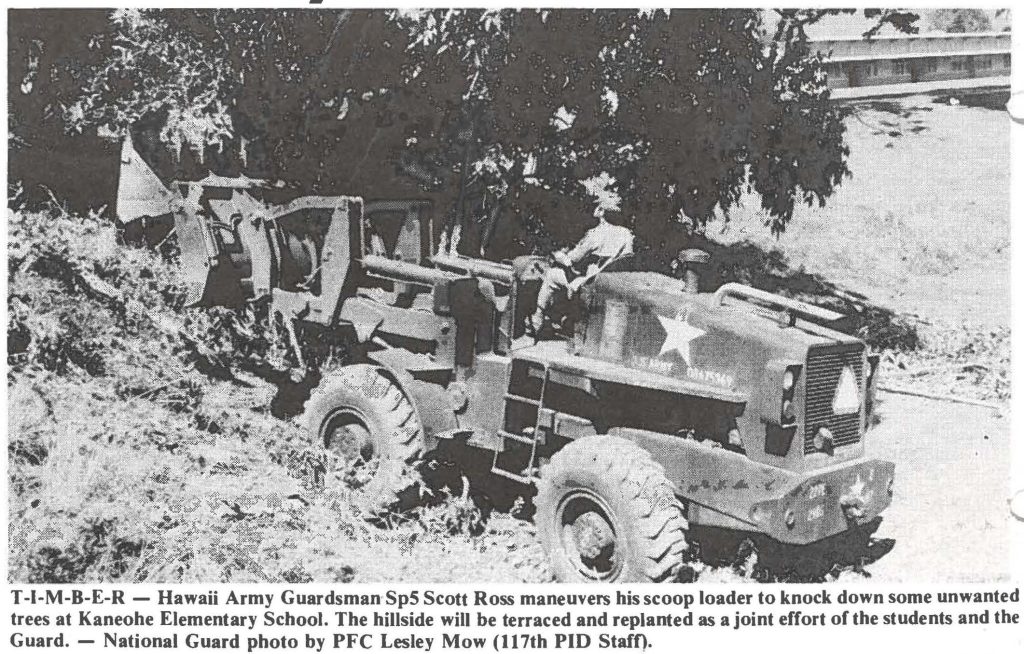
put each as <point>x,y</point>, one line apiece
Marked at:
<point>397,417</point>
<point>659,523</point>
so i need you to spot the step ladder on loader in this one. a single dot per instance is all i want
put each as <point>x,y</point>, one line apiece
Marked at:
<point>530,436</point>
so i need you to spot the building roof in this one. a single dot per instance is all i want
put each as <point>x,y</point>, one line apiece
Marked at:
<point>886,56</point>
<point>935,44</point>
<point>918,36</point>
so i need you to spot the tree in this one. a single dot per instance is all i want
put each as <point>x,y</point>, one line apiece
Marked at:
<point>681,112</point>
<point>514,119</point>
<point>49,54</point>
<point>960,20</point>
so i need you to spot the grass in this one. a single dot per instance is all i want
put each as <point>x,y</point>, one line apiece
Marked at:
<point>132,490</point>
<point>922,229</point>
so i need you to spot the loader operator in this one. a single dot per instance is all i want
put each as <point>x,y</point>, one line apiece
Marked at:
<point>601,245</point>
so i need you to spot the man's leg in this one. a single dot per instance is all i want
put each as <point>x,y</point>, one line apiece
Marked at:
<point>555,283</point>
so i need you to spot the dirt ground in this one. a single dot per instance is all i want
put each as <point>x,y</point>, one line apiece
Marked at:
<point>949,519</point>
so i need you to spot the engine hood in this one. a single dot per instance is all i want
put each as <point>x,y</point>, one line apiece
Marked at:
<point>646,321</point>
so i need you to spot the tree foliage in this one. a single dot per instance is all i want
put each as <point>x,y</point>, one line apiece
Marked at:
<point>50,54</point>
<point>520,119</point>
<point>960,20</point>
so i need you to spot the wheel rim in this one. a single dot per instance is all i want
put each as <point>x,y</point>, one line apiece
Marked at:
<point>352,453</point>
<point>588,536</point>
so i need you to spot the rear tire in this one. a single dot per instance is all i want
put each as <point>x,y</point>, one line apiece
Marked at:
<point>372,436</point>
<point>606,512</point>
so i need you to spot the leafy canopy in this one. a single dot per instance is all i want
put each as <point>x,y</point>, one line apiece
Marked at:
<point>960,20</point>
<point>517,122</point>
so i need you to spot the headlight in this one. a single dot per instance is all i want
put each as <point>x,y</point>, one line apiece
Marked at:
<point>788,380</point>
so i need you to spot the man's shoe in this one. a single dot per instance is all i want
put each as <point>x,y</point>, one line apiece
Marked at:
<point>532,329</point>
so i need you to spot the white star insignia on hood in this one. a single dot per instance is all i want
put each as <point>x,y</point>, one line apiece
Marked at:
<point>678,335</point>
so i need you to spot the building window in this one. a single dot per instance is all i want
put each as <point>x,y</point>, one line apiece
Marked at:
<point>1006,61</point>
<point>983,63</point>
<point>899,67</point>
<point>873,69</point>
<point>958,64</point>
<point>931,65</point>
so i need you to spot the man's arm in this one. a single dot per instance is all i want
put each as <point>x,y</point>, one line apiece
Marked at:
<point>561,258</point>
<point>586,247</point>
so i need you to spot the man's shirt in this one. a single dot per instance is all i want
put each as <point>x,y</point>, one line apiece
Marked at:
<point>599,244</point>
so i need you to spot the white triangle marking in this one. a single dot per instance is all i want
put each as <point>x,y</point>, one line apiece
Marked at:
<point>847,399</point>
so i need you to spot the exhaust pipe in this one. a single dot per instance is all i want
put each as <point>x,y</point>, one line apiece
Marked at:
<point>692,262</point>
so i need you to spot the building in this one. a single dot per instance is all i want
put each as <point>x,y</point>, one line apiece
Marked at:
<point>935,60</point>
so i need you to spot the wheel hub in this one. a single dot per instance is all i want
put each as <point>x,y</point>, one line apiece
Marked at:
<point>589,537</point>
<point>592,535</point>
<point>351,449</point>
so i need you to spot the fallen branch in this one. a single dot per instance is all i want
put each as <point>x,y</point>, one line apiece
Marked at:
<point>97,287</point>
<point>62,207</point>
<point>172,327</point>
<point>155,389</point>
<point>937,396</point>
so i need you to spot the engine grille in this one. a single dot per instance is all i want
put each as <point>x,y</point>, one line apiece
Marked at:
<point>824,367</point>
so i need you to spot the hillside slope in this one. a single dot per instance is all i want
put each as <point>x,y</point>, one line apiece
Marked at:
<point>127,463</point>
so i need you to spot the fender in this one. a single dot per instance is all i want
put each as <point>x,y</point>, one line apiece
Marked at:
<point>431,402</point>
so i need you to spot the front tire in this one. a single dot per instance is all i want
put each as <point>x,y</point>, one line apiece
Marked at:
<point>371,433</point>
<point>607,513</point>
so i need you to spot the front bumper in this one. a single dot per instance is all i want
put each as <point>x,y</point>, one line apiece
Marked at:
<point>825,502</point>
<point>726,489</point>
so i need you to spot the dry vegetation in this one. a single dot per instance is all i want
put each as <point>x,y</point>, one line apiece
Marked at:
<point>965,361</point>
<point>127,463</point>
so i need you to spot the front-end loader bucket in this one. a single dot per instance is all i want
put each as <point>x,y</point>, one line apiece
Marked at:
<point>140,193</point>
